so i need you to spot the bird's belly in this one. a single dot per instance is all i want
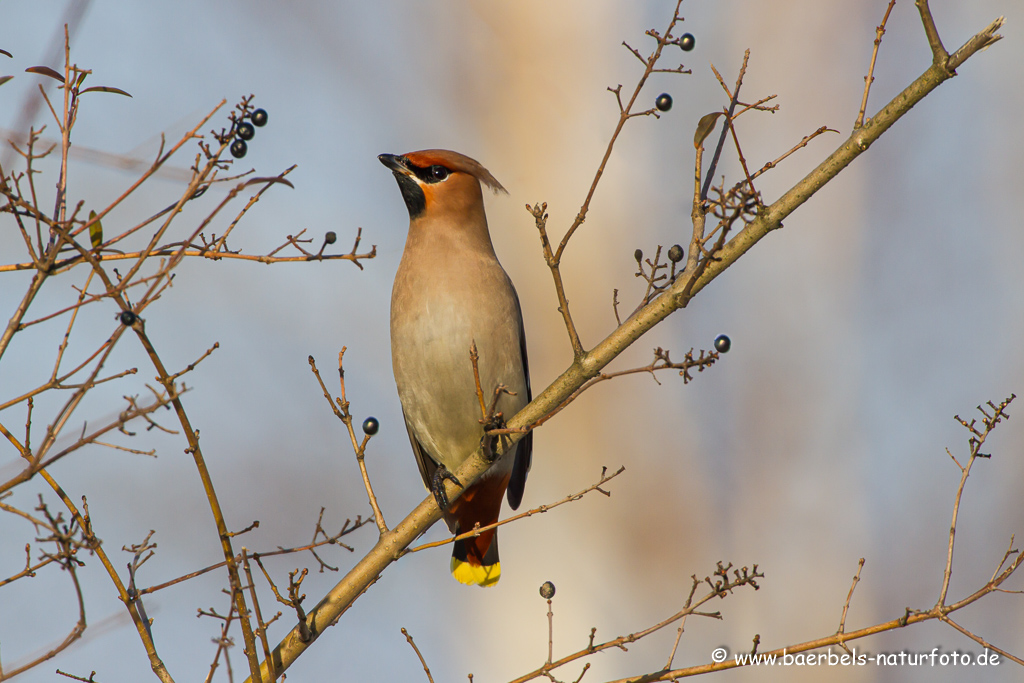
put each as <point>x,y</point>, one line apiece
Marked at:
<point>430,349</point>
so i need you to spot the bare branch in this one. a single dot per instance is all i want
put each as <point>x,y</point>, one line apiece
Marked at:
<point>341,410</point>
<point>423,662</point>
<point>477,530</point>
<point>870,78</point>
<point>849,597</point>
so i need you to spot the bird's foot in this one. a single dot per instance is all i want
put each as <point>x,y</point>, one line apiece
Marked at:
<point>494,421</point>
<point>437,485</point>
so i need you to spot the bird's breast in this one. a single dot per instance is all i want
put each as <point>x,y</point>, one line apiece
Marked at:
<point>439,310</point>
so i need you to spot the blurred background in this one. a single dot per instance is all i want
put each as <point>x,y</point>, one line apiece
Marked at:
<point>890,302</point>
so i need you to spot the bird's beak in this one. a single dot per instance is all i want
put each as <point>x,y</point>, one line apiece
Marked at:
<point>396,163</point>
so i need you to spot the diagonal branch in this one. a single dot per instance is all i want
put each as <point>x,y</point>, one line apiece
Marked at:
<point>589,365</point>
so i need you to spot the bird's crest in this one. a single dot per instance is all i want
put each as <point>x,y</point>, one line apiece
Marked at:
<point>454,161</point>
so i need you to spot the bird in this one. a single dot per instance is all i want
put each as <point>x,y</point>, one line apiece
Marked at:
<point>451,293</point>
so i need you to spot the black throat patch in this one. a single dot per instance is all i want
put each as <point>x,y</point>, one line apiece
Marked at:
<point>412,193</point>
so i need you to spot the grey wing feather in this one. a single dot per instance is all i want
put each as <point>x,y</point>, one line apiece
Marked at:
<point>524,452</point>
<point>423,460</point>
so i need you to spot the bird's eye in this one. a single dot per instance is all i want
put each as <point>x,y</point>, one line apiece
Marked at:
<point>438,173</point>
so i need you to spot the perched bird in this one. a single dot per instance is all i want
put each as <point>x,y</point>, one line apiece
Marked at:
<point>450,292</point>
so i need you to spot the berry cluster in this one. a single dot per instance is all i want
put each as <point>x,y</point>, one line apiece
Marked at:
<point>245,131</point>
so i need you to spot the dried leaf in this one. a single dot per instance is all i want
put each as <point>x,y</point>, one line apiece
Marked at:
<point>255,181</point>
<point>45,71</point>
<point>95,231</point>
<point>704,128</point>
<point>5,52</point>
<point>105,88</point>
<point>4,79</point>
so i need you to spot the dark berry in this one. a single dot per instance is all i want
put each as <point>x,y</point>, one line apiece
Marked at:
<point>245,131</point>
<point>239,148</point>
<point>723,343</point>
<point>331,237</point>
<point>259,117</point>
<point>675,254</point>
<point>127,318</point>
<point>664,102</point>
<point>547,590</point>
<point>639,255</point>
<point>370,426</point>
<point>687,41</point>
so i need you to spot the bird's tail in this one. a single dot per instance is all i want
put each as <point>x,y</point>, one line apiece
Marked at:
<point>475,560</point>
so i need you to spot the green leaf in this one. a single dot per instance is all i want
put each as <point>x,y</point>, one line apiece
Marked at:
<point>45,71</point>
<point>104,88</point>
<point>95,231</point>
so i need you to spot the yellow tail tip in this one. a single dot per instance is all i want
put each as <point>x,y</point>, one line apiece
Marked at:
<point>476,575</point>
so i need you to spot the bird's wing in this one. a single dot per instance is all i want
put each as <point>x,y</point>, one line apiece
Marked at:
<point>423,460</point>
<point>524,452</point>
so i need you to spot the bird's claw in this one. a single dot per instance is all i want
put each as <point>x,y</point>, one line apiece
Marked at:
<point>495,421</point>
<point>437,487</point>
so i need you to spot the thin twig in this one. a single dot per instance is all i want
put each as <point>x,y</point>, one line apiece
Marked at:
<point>223,643</point>
<point>474,359</point>
<point>975,443</point>
<point>477,530</point>
<point>540,217</point>
<point>723,584</point>
<point>423,662</point>
<point>554,257</point>
<point>96,546</point>
<point>849,597</point>
<point>332,540</point>
<point>803,143</point>
<point>682,623</point>
<point>981,641</point>
<point>624,115</point>
<point>551,632</point>
<point>192,366</point>
<point>725,130</point>
<point>340,407</point>
<point>870,78</point>
<point>662,361</point>
<point>742,159</point>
